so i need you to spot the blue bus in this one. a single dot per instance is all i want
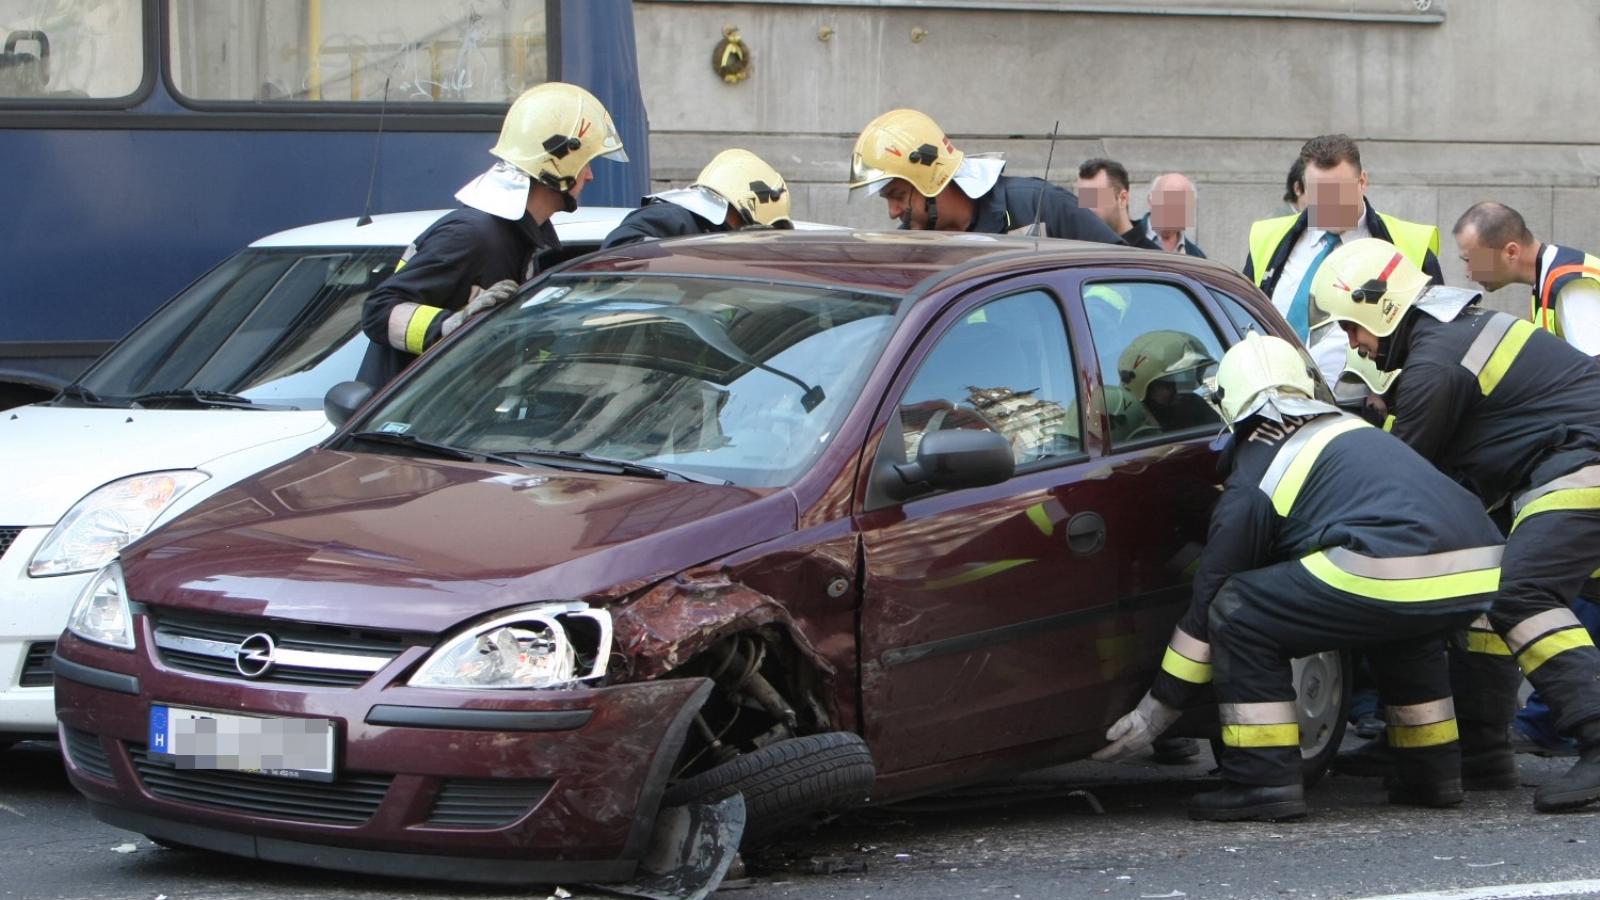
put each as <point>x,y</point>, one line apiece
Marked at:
<point>144,140</point>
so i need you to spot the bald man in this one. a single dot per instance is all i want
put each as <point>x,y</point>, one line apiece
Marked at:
<point>1499,249</point>
<point>1172,213</point>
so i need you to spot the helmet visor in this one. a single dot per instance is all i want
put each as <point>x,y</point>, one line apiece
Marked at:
<point>865,180</point>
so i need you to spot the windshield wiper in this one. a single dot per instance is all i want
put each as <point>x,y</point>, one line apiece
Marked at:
<point>196,396</point>
<point>438,450</point>
<point>76,391</point>
<point>623,467</point>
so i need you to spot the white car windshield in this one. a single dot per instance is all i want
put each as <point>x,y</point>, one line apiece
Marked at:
<point>276,327</point>
<point>729,380</point>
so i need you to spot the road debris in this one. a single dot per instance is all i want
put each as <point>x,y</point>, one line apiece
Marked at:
<point>124,848</point>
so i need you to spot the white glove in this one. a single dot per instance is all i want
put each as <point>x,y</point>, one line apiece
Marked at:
<point>1137,730</point>
<point>483,301</point>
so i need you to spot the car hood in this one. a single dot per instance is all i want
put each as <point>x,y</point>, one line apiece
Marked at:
<point>56,455</point>
<point>378,541</point>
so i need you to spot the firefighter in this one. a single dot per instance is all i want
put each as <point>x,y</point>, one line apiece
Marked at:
<point>472,259</point>
<point>736,190</point>
<point>1163,369</point>
<point>1499,249</point>
<point>1329,535</point>
<point>904,157</point>
<point>1513,412</point>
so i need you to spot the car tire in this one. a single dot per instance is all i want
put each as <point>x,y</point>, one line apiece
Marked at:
<point>1323,687</point>
<point>787,783</point>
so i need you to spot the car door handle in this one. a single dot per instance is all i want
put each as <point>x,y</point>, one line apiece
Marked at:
<point>1086,533</point>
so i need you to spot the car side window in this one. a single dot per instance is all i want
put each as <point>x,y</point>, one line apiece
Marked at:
<point>1003,367</point>
<point>1156,348</point>
<point>1239,314</point>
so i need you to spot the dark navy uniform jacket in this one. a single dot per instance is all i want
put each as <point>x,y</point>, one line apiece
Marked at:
<point>659,219</point>
<point>1010,206</point>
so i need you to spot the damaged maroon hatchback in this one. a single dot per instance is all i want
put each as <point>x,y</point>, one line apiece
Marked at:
<point>808,518</point>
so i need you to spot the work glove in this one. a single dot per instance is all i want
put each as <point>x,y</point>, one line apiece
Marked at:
<point>1137,730</point>
<point>482,302</point>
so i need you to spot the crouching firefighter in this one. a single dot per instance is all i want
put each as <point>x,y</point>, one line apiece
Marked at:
<point>1513,411</point>
<point>736,190</point>
<point>1329,535</point>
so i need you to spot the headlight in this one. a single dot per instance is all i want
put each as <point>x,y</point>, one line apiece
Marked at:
<point>101,613</point>
<point>108,519</point>
<point>541,646</point>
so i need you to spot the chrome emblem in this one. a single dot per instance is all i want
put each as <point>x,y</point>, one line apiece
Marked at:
<point>254,657</point>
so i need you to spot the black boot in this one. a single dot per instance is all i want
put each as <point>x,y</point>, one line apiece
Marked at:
<point>1487,763</point>
<point>1580,785</point>
<point>1235,802</point>
<point>1433,794</point>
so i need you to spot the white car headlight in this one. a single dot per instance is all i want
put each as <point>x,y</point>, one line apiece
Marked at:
<point>101,613</point>
<point>541,646</point>
<point>109,518</point>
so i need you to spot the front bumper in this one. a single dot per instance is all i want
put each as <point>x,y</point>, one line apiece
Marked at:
<point>32,613</point>
<point>593,763</point>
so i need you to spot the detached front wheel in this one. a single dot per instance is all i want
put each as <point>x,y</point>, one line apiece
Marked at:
<point>787,783</point>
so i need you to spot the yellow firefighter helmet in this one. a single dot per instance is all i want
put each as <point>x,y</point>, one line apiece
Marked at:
<point>555,129</point>
<point>1370,283</point>
<point>1257,364</point>
<point>906,144</point>
<point>751,186</point>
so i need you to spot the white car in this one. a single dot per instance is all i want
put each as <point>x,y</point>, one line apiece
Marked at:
<point>224,380</point>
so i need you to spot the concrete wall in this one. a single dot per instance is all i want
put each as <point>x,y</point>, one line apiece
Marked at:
<point>1452,103</point>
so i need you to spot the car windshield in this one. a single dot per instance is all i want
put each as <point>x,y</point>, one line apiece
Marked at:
<point>275,327</point>
<point>710,378</point>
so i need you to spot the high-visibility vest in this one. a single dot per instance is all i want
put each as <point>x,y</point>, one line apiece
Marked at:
<point>1556,271</point>
<point>1413,240</point>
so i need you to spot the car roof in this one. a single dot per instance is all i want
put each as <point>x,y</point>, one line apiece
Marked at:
<point>896,262</point>
<point>587,225</point>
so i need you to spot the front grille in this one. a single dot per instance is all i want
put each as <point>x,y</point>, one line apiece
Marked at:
<point>87,754</point>
<point>36,666</point>
<point>349,800</point>
<point>7,535</point>
<point>490,803</point>
<point>287,635</point>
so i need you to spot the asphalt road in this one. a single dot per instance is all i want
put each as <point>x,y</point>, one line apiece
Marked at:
<point>1034,839</point>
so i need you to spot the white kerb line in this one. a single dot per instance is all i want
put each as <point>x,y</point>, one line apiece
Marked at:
<point>1503,891</point>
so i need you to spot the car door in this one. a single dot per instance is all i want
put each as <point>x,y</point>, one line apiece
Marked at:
<point>983,610</point>
<point>1153,344</point>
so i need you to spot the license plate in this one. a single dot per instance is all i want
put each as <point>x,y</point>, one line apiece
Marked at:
<point>280,747</point>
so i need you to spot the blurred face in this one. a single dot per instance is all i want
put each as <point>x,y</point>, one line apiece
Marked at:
<point>906,205</point>
<point>1364,341</point>
<point>1336,196</point>
<point>1172,207</point>
<point>1487,266</point>
<point>1108,202</point>
<point>584,177</point>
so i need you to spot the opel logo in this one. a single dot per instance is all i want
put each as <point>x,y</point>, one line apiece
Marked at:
<point>254,657</point>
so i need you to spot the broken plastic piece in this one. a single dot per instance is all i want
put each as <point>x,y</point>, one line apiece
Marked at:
<point>689,853</point>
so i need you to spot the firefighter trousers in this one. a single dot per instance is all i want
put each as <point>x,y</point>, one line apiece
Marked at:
<point>1262,619</point>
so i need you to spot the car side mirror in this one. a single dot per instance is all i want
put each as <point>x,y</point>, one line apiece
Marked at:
<point>343,399</point>
<point>950,460</point>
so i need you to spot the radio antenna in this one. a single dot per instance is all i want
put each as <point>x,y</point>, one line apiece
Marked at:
<point>1038,208</point>
<point>377,149</point>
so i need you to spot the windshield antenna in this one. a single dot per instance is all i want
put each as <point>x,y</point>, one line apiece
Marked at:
<point>377,148</point>
<point>1038,208</point>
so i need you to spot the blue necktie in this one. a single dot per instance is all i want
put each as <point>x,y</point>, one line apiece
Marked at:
<point>1300,307</point>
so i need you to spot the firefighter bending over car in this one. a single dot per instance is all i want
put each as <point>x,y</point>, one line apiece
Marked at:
<point>1330,534</point>
<point>904,157</point>
<point>1512,411</point>
<point>736,190</point>
<point>472,259</point>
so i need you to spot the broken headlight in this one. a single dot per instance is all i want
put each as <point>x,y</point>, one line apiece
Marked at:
<point>541,646</point>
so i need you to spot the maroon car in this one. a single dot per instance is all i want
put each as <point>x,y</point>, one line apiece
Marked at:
<point>813,517</point>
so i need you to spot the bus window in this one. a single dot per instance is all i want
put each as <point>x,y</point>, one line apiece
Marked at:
<point>276,51</point>
<point>71,51</point>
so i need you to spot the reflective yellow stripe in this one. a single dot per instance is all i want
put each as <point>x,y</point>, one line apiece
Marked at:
<point>979,573</point>
<point>1528,630</point>
<point>1271,712</point>
<point>1261,735</point>
<point>1504,355</point>
<point>417,327</point>
<point>1577,498</point>
<point>1413,736</point>
<point>1487,642</point>
<point>1185,669</point>
<point>1388,422</point>
<point>1546,648</point>
<point>1421,713</point>
<point>1041,519</point>
<point>1294,477</point>
<point>1403,590</point>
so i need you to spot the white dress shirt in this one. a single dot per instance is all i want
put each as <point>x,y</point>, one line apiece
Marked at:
<point>1328,343</point>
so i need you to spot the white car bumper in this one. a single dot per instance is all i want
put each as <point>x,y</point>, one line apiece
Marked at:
<point>33,611</point>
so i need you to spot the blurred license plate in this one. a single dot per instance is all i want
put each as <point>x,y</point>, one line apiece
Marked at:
<point>280,747</point>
